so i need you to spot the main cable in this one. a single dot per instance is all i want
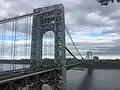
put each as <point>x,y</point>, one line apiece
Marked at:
<point>71,53</point>
<point>73,41</point>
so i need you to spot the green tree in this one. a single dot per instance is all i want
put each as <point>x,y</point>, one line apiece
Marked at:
<point>106,2</point>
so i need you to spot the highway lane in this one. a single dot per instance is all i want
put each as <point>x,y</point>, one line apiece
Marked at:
<point>20,73</point>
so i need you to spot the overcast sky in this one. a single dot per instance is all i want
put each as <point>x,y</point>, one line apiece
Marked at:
<point>92,26</point>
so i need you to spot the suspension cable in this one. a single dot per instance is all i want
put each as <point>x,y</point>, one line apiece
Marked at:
<point>1,42</point>
<point>29,36</point>
<point>71,53</point>
<point>14,45</point>
<point>4,42</point>
<point>73,42</point>
<point>24,49</point>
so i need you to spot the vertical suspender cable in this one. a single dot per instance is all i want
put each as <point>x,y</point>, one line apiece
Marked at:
<point>16,41</point>
<point>16,37</point>
<point>44,44</point>
<point>2,43</point>
<point>73,42</point>
<point>24,41</point>
<point>29,35</point>
<point>28,23</point>
<point>1,48</point>
<point>52,38</point>
<point>27,39</point>
<point>47,44</point>
<point>50,46</point>
<point>53,44</point>
<point>24,32</point>
<point>29,28</point>
<point>44,47</point>
<point>4,48</point>
<point>14,47</point>
<point>12,44</point>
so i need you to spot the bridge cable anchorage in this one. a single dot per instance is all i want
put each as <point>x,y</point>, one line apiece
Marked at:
<point>73,42</point>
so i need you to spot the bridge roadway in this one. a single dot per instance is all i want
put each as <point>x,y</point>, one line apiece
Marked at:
<point>20,73</point>
<point>50,61</point>
<point>27,61</point>
<point>106,64</point>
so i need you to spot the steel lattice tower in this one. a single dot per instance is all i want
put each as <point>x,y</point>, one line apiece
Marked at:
<point>50,18</point>
<point>89,55</point>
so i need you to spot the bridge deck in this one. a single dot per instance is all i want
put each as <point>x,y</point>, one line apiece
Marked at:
<point>21,73</point>
<point>15,76</point>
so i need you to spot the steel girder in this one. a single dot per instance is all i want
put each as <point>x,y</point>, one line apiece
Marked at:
<point>51,20</point>
<point>33,81</point>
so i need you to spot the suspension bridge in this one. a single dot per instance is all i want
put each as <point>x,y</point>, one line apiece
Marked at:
<point>37,41</point>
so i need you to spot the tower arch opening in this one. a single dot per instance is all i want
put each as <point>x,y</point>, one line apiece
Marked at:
<point>48,48</point>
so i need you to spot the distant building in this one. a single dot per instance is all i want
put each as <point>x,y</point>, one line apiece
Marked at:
<point>95,58</point>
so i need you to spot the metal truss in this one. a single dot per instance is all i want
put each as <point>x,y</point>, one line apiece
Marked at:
<point>89,55</point>
<point>51,20</point>
<point>31,82</point>
<point>45,19</point>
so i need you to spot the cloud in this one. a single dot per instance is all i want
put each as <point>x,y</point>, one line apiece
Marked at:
<point>92,26</point>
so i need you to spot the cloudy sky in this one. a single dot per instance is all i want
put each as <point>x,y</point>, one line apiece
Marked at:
<point>92,26</point>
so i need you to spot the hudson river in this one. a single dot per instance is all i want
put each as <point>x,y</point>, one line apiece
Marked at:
<point>80,80</point>
<point>99,80</point>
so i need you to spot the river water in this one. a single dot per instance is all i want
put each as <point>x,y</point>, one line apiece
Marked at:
<point>99,80</point>
<point>80,80</point>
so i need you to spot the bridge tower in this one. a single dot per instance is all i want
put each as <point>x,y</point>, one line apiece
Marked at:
<point>50,18</point>
<point>89,56</point>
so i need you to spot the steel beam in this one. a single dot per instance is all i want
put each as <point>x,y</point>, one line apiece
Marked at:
<point>51,20</point>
